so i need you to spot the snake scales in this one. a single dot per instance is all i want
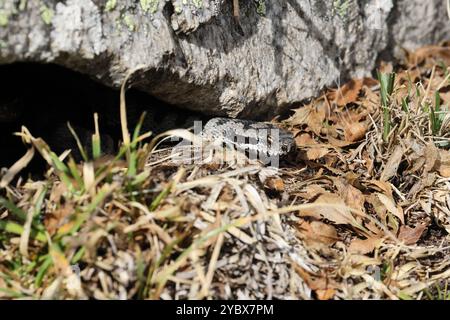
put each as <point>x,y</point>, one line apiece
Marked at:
<point>259,137</point>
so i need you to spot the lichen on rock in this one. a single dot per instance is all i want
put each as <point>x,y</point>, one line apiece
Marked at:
<point>196,55</point>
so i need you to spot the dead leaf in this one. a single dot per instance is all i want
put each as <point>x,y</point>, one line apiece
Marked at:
<point>427,52</point>
<point>377,206</point>
<point>364,246</point>
<point>326,294</point>
<point>390,205</point>
<point>304,139</point>
<point>355,131</point>
<point>443,163</point>
<point>317,117</point>
<point>349,92</point>
<point>227,194</point>
<point>315,153</point>
<point>331,207</point>
<point>300,116</point>
<point>411,235</point>
<point>16,168</point>
<point>312,191</point>
<point>312,115</point>
<point>275,183</point>
<point>353,197</point>
<point>339,143</point>
<point>55,219</point>
<point>386,67</point>
<point>372,227</point>
<point>60,262</point>
<point>317,234</point>
<point>393,163</point>
<point>368,162</point>
<point>383,186</point>
<point>58,191</point>
<point>431,156</point>
<point>317,283</point>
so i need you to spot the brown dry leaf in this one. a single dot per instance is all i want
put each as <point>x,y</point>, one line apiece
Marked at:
<point>444,171</point>
<point>420,55</point>
<point>326,294</point>
<point>313,115</point>
<point>431,156</point>
<point>404,77</point>
<point>317,234</point>
<point>304,139</point>
<point>372,227</point>
<point>391,206</point>
<point>344,117</point>
<point>364,246</point>
<point>275,183</point>
<point>386,67</point>
<point>227,194</point>
<point>391,167</point>
<point>355,131</point>
<point>60,262</point>
<point>411,235</point>
<point>383,186</point>
<point>58,191</point>
<point>353,197</point>
<point>53,220</point>
<point>349,92</point>
<point>368,162</point>
<point>317,282</point>
<point>66,227</point>
<point>300,116</point>
<point>339,143</point>
<point>377,206</point>
<point>443,163</point>
<point>312,191</point>
<point>331,207</point>
<point>317,118</point>
<point>353,179</point>
<point>315,153</point>
<point>417,164</point>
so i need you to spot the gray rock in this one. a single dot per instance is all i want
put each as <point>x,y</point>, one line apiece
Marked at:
<point>195,55</point>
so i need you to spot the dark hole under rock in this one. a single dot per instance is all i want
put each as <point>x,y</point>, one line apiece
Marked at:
<point>45,97</point>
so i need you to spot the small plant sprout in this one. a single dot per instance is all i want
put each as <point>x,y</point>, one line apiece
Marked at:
<point>387,88</point>
<point>96,142</point>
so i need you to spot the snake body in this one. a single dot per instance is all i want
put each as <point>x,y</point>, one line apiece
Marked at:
<point>260,137</point>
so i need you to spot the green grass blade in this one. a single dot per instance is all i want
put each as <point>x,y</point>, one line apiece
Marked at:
<point>78,255</point>
<point>43,270</point>
<point>163,194</point>
<point>96,141</point>
<point>77,139</point>
<point>19,213</point>
<point>12,227</point>
<point>39,202</point>
<point>386,87</point>
<point>76,174</point>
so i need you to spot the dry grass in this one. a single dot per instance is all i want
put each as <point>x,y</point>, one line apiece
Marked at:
<point>360,211</point>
